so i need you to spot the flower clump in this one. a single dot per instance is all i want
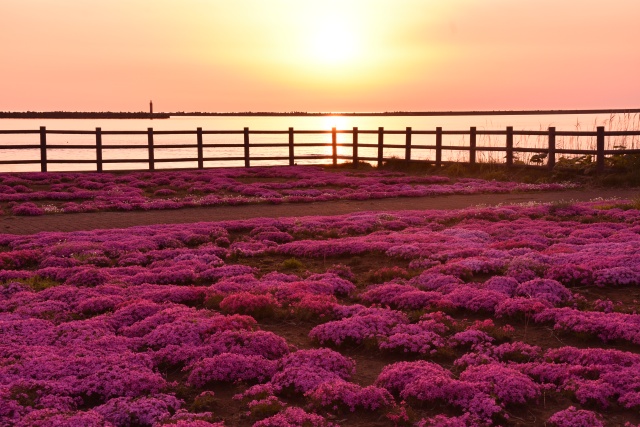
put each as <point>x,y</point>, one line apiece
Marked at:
<point>91,192</point>
<point>160,325</point>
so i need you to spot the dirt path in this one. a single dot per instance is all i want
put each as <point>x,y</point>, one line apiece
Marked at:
<point>101,220</point>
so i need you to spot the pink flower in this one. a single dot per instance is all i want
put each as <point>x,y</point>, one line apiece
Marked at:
<point>230,367</point>
<point>572,417</point>
<point>294,417</point>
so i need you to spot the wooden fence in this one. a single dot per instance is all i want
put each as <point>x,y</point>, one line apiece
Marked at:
<point>410,148</point>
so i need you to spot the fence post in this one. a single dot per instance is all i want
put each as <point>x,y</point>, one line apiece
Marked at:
<point>334,146</point>
<point>438,147</point>
<point>151,154</point>
<point>472,145</point>
<point>600,149</point>
<point>247,162</point>
<point>355,148</point>
<point>407,143</point>
<point>99,149</point>
<point>292,159</point>
<point>380,146</point>
<point>509,146</point>
<point>551,160</point>
<point>43,149</point>
<point>200,149</point>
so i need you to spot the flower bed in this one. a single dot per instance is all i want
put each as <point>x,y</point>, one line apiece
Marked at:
<point>476,317</point>
<point>47,193</point>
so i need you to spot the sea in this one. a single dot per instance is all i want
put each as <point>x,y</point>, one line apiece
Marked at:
<point>562,122</point>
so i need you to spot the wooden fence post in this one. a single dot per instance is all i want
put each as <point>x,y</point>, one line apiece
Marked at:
<point>99,149</point>
<point>551,155</point>
<point>292,159</point>
<point>355,148</point>
<point>600,149</point>
<point>380,146</point>
<point>438,147</point>
<point>407,143</point>
<point>43,149</point>
<point>200,149</point>
<point>509,147</point>
<point>334,146</point>
<point>247,162</point>
<point>151,153</point>
<point>472,145</point>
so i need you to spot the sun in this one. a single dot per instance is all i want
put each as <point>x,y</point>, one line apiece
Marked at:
<point>333,44</point>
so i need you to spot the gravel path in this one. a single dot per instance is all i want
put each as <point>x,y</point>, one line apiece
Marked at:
<point>102,220</point>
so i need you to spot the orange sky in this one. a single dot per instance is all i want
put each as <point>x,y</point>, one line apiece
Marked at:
<point>318,55</point>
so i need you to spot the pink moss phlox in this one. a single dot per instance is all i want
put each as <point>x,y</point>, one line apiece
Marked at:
<point>572,417</point>
<point>301,379</point>
<point>418,300</point>
<point>412,339</point>
<point>188,295</point>
<point>27,209</point>
<point>593,356</point>
<point>423,337</point>
<point>397,376</point>
<point>176,189</point>
<point>437,386</point>
<point>545,289</point>
<point>54,418</point>
<point>385,293</point>
<point>238,283</point>
<point>248,303</point>
<point>591,392</point>
<point>473,298</point>
<point>342,271</point>
<point>358,328</point>
<point>257,391</point>
<point>521,306</point>
<point>125,412</point>
<point>132,312</point>
<point>616,276</point>
<point>469,337</point>
<point>230,367</point>
<point>486,353</point>
<point>194,423</point>
<point>466,420</point>
<point>507,384</point>
<point>250,343</point>
<point>294,417</point>
<point>606,326</point>
<point>337,284</point>
<point>340,392</point>
<point>571,275</point>
<point>323,358</point>
<point>504,284</point>
<point>90,277</point>
<point>431,281</point>
<point>320,306</point>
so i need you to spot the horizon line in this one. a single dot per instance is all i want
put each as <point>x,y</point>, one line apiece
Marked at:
<point>341,113</point>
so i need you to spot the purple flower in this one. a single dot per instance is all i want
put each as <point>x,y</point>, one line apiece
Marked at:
<point>572,417</point>
<point>294,417</point>
<point>230,367</point>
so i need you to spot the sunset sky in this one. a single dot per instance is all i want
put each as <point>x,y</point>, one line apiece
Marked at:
<point>318,55</point>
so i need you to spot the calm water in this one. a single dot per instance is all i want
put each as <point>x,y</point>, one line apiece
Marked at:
<point>571,122</point>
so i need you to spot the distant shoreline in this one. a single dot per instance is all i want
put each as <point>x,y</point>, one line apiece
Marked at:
<point>143,115</point>
<point>424,113</point>
<point>80,115</point>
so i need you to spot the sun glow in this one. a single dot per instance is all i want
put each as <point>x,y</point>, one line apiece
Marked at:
<point>333,45</point>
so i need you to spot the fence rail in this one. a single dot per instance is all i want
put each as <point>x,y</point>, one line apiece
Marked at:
<point>550,152</point>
